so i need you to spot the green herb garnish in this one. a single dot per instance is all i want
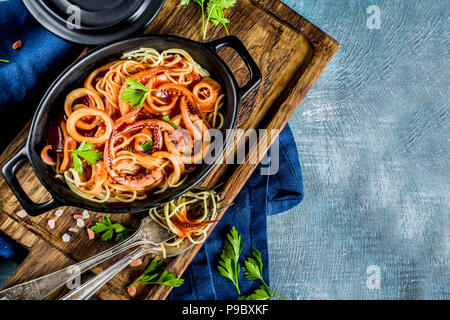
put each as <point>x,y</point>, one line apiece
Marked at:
<point>253,270</point>
<point>262,293</point>
<point>167,119</point>
<point>3,60</point>
<point>108,229</point>
<point>147,145</point>
<point>135,94</point>
<point>151,275</point>
<point>85,151</point>
<point>231,250</point>
<point>214,12</point>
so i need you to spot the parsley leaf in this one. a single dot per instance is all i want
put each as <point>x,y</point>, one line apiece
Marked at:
<point>135,93</point>
<point>253,268</point>
<point>167,119</point>
<point>260,294</point>
<point>231,250</point>
<point>153,266</point>
<point>214,12</point>
<point>77,163</point>
<point>147,145</point>
<point>6,61</point>
<point>108,229</point>
<point>169,279</point>
<point>85,151</point>
<point>151,273</point>
<point>263,293</point>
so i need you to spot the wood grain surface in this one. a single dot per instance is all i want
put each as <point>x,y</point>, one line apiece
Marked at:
<point>291,54</point>
<point>373,138</point>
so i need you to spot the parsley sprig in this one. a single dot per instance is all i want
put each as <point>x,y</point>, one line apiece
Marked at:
<point>253,270</point>
<point>135,93</point>
<point>152,275</point>
<point>229,265</point>
<point>108,229</point>
<point>85,151</point>
<point>214,12</point>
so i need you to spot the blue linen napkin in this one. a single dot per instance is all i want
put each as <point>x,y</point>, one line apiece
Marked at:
<point>24,81</point>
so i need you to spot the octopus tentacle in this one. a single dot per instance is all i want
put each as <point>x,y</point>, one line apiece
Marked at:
<point>141,179</point>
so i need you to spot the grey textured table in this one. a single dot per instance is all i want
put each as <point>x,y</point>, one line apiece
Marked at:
<point>373,136</point>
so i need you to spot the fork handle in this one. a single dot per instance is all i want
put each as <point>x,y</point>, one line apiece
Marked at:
<point>39,288</point>
<point>88,289</point>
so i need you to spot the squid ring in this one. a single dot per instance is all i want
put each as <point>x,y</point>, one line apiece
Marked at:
<point>86,112</point>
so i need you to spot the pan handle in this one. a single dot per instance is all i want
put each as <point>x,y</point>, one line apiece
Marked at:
<point>236,44</point>
<point>9,172</point>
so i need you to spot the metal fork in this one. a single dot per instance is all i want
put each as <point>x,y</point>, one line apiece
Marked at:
<point>89,288</point>
<point>148,233</point>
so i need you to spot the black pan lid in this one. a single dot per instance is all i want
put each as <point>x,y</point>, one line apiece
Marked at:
<point>94,22</point>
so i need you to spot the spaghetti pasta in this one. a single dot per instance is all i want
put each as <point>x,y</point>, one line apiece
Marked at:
<point>189,216</point>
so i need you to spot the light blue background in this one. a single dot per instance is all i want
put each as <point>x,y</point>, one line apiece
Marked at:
<point>373,137</point>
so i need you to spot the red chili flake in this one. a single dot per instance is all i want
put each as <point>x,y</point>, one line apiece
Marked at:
<point>17,45</point>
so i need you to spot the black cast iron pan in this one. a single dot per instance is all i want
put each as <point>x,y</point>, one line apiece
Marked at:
<point>50,106</point>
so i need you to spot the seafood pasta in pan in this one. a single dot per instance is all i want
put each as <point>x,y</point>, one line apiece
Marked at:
<point>137,127</point>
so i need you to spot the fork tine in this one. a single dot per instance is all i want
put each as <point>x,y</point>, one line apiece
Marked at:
<point>217,186</point>
<point>202,188</point>
<point>220,193</point>
<point>225,207</point>
<point>221,200</point>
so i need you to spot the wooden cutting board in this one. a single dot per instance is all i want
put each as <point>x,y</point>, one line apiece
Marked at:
<point>291,53</point>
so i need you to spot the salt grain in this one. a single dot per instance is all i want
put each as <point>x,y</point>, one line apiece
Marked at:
<point>136,263</point>
<point>80,223</point>
<point>85,214</point>
<point>51,223</point>
<point>91,234</point>
<point>77,216</point>
<point>66,237</point>
<point>132,291</point>
<point>59,213</point>
<point>73,230</point>
<point>22,214</point>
